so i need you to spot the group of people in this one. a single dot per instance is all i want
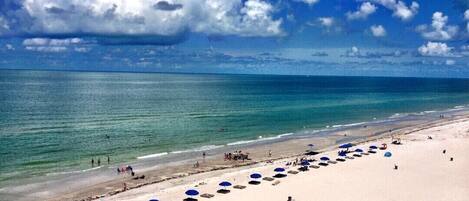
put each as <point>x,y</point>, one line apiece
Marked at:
<point>127,169</point>
<point>236,155</point>
<point>98,161</point>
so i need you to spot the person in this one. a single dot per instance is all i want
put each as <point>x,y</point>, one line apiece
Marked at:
<point>92,162</point>
<point>270,153</point>
<point>99,162</point>
<point>451,159</point>
<point>444,151</point>
<point>289,198</point>
<point>125,186</point>
<point>203,155</point>
<point>132,173</point>
<point>395,167</point>
<point>118,170</point>
<point>108,160</point>
<point>196,165</point>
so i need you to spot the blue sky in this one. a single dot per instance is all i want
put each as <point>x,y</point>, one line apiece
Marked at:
<point>307,37</point>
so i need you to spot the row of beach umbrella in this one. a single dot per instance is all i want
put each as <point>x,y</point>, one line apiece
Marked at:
<point>255,177</point>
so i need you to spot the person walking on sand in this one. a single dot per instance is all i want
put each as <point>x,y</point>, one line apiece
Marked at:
<point>270,153</point>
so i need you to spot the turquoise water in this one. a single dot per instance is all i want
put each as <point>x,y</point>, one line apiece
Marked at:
<point>57,121</point>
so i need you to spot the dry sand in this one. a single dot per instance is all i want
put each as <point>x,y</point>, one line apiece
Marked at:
<point>424,173</point>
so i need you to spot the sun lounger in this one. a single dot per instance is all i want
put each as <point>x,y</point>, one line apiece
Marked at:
<point>240,186</point>
<point>323,164</point>
<point>223,191</point>
<point>364,153</point>
<point>190,199</point>
<point>275,183</point>
<point>349,157</point>
<point>280,175</point>
<point>340,159</point>
<point>254,182</point>
<point>332,162</point>
<point>357,155</point>
<point>314,166</point>
<point>268,179</point>
<point>293,172</point>
<point>372,152</point>
<point>206,195</point>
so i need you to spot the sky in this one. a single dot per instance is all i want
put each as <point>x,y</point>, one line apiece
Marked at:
<point>419,38</point>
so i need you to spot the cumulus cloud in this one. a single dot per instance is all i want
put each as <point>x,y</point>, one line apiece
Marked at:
<point>163,21</point>
<point>399,8</point>
<point>378,30</point>
<point>450,62</point>
<point>363,11</point>
<point>9,47</point>
<point>326,21</point>
<point>435,49</point>
<point>51,45</point>
<point>466,17</point>
<point>353,52</point>
<point>439,29</point>
<point>309,2</point>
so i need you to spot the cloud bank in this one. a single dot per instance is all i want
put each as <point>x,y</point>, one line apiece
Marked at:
<point>162,21</point>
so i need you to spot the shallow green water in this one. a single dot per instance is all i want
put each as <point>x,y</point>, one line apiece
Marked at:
<point>58,121</point>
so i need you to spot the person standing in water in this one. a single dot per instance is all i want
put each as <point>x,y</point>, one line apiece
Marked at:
<point>108,160</point>
<point>92,162</point>
<point>99,162</point>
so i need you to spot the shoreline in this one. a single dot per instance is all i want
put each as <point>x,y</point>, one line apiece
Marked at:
<point>284,148</point>
<point>288,152</point>
<point>452,135</point>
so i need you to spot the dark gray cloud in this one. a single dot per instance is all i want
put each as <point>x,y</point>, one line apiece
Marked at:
<point>166,6</point>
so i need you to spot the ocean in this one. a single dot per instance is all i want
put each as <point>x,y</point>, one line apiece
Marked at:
<point>56,122</point>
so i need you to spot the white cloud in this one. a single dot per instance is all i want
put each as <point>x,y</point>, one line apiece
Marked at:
<point>326,21</point>
<point>466,17</point>
<point>435,49</point>
<point>51,42</point>
<point>82,49</point>
<point>399,8</point>
<point>450,62</point>
<point>309,2</point>
<point>365,9</point>
<point>9,47</point>
<point>46,48</point>
<point>439,29</point>
<point>146,18</point>
<point>378,30</point>
<point>353,52</point>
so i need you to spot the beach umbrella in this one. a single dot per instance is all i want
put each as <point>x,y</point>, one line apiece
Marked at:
<point>343,154</point>
<point>346,146</point>
<point>255,176</point>
<point>153,200</point>
<point>279,169</point>
<point>325,158</point>
<point>192,192</point>
<point>373,147</point>
<point>387,154</point>
<point>225,184</point>
<point>358,150</point>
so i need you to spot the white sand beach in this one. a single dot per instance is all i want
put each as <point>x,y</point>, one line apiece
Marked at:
<point>424,173</point>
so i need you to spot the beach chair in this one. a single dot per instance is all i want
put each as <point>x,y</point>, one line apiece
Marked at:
<point>223,191</point>
<point>268,179</point>
<point>314,166</point>
<point>240,186</point>
<point>332,162</point>
<point>340,159</point>
<point>206,195</point>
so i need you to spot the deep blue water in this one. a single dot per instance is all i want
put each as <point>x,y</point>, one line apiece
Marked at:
<point>57,121</point>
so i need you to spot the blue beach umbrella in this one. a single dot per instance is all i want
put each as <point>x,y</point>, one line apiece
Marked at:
<point>346,146</point>
<point>255,176</point>
<point>343,154</point>
<point>373,147</point>
<point>359,150</point>
<point>192,192</point>
<point>387,154</point>
<point>153,200</point>
<point>324,158</point>
<point>225,184</point>
<point>279,169</point>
